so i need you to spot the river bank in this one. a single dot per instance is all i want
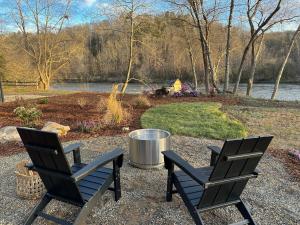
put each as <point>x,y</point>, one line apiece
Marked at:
<point>286,92</point>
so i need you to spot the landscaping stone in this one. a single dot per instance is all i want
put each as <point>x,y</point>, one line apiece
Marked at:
<point>274,198</point>
<point>56,128</point>
<point>8,134</point>
<point>295,154</point>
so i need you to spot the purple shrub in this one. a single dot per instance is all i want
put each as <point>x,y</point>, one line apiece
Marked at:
<point>88,126</point>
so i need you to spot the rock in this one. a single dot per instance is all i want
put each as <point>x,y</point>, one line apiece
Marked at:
<point>9,133</point>
<point>295,154</point>
<point>125,129</point>
<point>56,128</point>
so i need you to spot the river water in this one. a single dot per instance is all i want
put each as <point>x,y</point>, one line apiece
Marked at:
<point>287,92</point>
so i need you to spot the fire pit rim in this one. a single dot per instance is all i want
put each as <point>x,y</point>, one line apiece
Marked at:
<point>167,134</point>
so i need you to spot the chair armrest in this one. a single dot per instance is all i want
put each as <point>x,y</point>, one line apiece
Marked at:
<point>257,172</point>
<point>29,166</point>
<point>172,157</point>
<point>72,147</point>
<point>215,149</point>
<point>98,162</point>
<point>215,152</point>
<point>75,148</point>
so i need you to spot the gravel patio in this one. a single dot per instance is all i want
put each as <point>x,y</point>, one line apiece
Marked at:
<point>273,198</point>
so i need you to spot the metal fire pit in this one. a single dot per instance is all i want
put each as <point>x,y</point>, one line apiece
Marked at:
<point>145,147</point>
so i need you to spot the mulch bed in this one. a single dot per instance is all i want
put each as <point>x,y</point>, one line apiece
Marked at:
<point>66,111</point>
<point>292,164</point>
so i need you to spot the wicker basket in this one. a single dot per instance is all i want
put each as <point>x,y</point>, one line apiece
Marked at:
<point>29,183</point>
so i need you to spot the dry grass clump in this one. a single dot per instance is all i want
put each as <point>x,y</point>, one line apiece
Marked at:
<point>82,102</point>
<point>101,105</point>
<point>141,102</point>
<point>115,113</point>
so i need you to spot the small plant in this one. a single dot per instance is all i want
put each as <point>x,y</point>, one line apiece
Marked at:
<point>101,106</point>
<point>115,113</point>
<point>43,101</point>
<point>141,102</point>
<point>20,101</point>
<point>29,116</point>
<point>88,126</point>
<point>82,102</point>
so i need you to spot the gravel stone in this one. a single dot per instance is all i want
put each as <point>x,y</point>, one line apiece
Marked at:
<point>273,197</point>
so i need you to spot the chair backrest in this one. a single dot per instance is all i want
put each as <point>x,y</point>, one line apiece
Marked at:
<point>237,160</point>
<point>49,160</point>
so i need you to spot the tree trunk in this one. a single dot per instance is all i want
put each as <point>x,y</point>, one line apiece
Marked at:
<point>254,58</point>
<point>192,59</point>
<point>1,92</point>
<point>254,34</point>
<point>193,68</point>
<point>279,75</point>
<point>228,48</point>
<point>204,51</point>
<point>124,87</point>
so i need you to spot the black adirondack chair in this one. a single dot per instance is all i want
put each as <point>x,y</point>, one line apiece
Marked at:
<point>220,184</point>
<point>80,185</point>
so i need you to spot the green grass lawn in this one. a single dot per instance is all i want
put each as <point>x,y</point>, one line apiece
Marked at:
<point>194,119</point>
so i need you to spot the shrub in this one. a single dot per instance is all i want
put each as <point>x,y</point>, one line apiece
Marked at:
<point>115,113</point>
<point>82,102</point>
<point>141,102</point>
<point>88,126</point>
<point>29,116</point>
<point>43,101</point>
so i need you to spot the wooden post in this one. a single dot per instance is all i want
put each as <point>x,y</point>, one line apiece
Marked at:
<point>1,92</point>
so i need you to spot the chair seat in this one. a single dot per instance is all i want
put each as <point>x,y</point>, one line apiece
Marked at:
<point>190,187</point>
<point>92,183</point>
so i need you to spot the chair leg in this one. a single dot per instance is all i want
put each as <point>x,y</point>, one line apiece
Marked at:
<point>245,212</point>
<point>81,218</point>
<point>170,184</point>
<point>38,208</point>
<point>117,182</point>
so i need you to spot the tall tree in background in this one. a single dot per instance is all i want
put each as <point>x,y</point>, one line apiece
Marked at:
<point>2,66</point>
<point>282,67</point>
<point>288,13</point>
<point>41,23</point>
<point>252,11</point>
<point>130,10</point>
<point>204,16</point>
<point>228,47</point>
<point>191,55</point>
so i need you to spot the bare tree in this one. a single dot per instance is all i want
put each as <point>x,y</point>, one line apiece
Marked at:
<point>130,10</point>
<point>203,17</point>
<point>252,10</point>
<point>228,47</point>
<point>192,58</point>
<point>254,57</point>
<point>287,13</point>
<point>282,67</point>
<point>41,24</point>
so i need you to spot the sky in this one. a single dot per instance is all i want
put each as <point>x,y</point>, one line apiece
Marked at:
<point>88,11</point>
<point>82,11</point>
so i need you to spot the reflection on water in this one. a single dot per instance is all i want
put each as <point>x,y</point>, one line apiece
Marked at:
<point>288,92</point>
